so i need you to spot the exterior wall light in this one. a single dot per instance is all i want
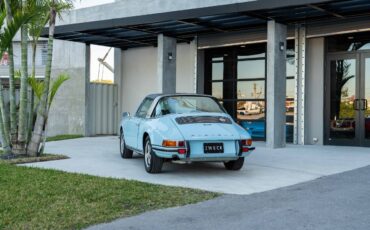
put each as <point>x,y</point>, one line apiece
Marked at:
<point>282,46</point>
<point>170,56</point>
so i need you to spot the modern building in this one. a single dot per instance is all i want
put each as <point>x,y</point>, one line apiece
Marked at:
<point>288,71</point>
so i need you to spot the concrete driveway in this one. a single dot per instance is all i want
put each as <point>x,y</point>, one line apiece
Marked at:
<point>265,170</point>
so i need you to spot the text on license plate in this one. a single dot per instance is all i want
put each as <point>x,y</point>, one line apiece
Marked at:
<point>213,147</point>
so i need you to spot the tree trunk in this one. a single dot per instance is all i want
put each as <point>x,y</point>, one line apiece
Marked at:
<point>34,145</point>
<point>31,96</point>
<point>13,112</point>
<point>22,125</point>
<point>3,124</point>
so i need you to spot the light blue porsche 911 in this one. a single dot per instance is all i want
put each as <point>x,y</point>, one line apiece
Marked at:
<point>183,127</point>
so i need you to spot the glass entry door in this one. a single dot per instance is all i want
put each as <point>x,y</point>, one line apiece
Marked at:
<point>365,100</point>
<point>347,100</point>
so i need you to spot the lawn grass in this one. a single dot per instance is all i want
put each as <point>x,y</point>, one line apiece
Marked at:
<point>33,198</point>
<point>63,137</point>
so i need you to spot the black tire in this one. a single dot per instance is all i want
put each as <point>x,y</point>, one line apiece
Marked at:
<point>234,165</point>
<point>125,152</point>
<point>152,163</point>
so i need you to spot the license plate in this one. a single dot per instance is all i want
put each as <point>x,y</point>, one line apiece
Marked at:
<point>213,147</point>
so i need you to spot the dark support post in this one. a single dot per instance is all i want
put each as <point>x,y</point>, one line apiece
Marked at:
<point>166,64</point>
<point>276,85</point>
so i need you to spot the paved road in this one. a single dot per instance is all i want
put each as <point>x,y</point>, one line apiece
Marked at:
<point>341,201</point>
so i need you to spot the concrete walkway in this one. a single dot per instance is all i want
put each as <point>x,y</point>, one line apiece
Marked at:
<point>265,170</point>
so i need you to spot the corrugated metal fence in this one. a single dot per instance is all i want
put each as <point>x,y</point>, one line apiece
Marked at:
<point>104,108</point>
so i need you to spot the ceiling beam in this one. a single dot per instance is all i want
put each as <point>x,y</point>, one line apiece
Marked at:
<point>256,15</point>
<point>203,24</point>
<point>110,36</point>
<point>156,33</point>
<point>325,11</point>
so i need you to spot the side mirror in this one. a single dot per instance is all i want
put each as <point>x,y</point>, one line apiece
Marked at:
<point>125,114</point>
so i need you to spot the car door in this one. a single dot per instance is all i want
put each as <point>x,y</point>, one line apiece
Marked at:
<point>132,128</point>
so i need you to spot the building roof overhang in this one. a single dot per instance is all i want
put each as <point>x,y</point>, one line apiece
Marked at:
<point>184,25</point>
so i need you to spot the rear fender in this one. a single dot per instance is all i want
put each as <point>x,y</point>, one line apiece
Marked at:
<point>158,130</point>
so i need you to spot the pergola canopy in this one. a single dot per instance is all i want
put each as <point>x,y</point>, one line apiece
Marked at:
<point>184,25</point>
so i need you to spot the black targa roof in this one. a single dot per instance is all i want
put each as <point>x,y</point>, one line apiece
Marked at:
<point>184,25</point>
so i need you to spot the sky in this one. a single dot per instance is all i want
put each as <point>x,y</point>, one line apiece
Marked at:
<point>98,71</point>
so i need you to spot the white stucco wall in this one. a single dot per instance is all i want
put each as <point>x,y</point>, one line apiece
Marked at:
<point>185,70</point>
<point>139,74</point>
<point>314,117</point>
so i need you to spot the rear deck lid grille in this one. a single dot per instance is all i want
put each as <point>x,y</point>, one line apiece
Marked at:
<point>202,119</point>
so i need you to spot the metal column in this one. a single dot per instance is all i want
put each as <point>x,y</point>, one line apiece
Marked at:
<point>300,85</point>
<point>166,64</point>
<point>276,85</point>
<point>88,106</point>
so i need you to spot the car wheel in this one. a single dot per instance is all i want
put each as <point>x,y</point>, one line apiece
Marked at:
<point>234,165</point>
<point>125,152</point>
<point>152,163</point>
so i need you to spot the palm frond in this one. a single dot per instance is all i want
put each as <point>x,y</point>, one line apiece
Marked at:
<point>11,29</point>
<point>17,73</point>
<point>62,6</point>
<point>55,85</point>
<point>37,24</point>
<point>2,17</point>
<point>37,86</point>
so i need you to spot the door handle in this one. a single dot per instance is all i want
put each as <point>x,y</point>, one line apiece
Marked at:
<point>364,104</point>
<point>355,104</point>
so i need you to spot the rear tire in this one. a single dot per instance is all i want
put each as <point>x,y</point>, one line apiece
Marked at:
<point>234,165</point>
<point>152,163</point>
<point>125,152</point>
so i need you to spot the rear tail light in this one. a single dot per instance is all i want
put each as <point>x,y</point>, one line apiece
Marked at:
<point>182,151</point>
<point>181,144</point>
<point>173,144</point>
<point>247,142</point>
<point>168,143</point>
<point>245,149</point>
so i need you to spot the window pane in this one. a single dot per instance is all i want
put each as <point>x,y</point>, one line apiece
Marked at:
<point>251,116</point>
<point>289,125</point>
<point>251,69</point>
<point>290,63</point>
<point>229,107</point>
<point>251,90</point>
<point>260,55</point>
<point>250,110</point>
<point>342,96</point>
<point>217,68</point>
<point>144,107</point>
<point>290,88</point>
<point>349,42</point>
<point>217,90</point>
<point>187,104</point>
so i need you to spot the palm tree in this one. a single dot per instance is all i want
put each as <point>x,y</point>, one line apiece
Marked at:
<point>10,28</point>
<point>56,7</point>
<point>35,29</point>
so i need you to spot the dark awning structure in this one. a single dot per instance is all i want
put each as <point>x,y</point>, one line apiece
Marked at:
<point>184,25</point>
